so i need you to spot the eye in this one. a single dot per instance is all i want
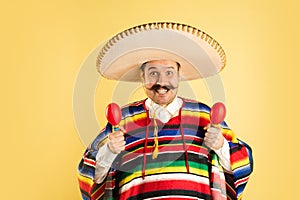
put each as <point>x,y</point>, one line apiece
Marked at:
<point>154,73</point>
<point>169,73</point>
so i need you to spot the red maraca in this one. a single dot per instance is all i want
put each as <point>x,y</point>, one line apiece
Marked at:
<point>217,113</point>
<point>113,114</point>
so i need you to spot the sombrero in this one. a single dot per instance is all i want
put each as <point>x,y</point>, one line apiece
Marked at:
<point>198,53</point>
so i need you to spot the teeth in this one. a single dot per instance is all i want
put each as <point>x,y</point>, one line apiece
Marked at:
<point>162,91</point>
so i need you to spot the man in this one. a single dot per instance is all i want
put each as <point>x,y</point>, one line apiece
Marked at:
<point>166,147</point>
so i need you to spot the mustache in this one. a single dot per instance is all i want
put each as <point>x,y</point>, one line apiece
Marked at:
<point>158,86</point>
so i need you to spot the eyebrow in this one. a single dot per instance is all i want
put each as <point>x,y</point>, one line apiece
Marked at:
<point>150,68</point>
<point>153,67</point>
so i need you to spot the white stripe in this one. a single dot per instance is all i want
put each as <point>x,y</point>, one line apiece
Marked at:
<point>174,196</point>
<point>242,168</point>
<point>221,192</point>
<point>242,181</point>
<point>165,177</point>
<point>216,170</point>
<point>92,164</point>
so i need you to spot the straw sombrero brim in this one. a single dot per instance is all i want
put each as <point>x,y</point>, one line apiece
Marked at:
<point>199,54</point>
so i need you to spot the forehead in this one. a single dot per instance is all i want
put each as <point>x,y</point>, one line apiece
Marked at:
<point>161,64</point>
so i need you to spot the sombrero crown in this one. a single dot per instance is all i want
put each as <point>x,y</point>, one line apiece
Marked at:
<point>198,53</point>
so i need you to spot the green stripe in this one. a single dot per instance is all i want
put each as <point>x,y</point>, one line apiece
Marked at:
<point>166,164</point>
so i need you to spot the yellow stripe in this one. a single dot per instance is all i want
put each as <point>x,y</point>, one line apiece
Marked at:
<point>204,115</point>
<point>240,163</point>
<point>184,112</point>
<point>231,134</point>
<point>86,180</point>
<point>103,142</point>
<point>216,163</point>
<point>131,152</point>
<point>190,113</point>
<point>195,114</point>
<point>163,170</point>
<point>136,117</point>
<point>122,123</point>
<point>240,197</point>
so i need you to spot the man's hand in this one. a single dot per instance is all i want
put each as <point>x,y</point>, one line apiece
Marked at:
<point>214,138</point>
<point>116,141</point>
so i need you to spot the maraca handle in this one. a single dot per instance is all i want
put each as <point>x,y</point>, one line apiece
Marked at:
<point>115,128</point>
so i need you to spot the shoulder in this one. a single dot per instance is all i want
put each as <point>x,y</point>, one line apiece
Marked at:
<point>194,105</point>
<point>133,108</point>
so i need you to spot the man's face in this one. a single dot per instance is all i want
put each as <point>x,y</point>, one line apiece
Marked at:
<point>160,79</point>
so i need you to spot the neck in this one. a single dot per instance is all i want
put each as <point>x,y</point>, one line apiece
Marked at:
<point>164,105</point>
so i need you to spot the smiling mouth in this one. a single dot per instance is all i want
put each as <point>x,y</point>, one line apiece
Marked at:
<point>162,91</point>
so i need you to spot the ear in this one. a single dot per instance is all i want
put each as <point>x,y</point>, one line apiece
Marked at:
<point>142,76</point>
<point>179,72</point>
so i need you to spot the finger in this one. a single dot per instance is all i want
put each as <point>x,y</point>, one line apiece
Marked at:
<point>215,143</point>
<point>116,147</point>
<point>115,134</point>
<point>211,143</point>
<point>117,139</point>
<point>121,145</point>
<point>206,127</point>
<point>210,140</point>
<point>208,144</point>
<point>212,137</point>
<point>209,135</point>
<point>122,129</point>
<point>213,130</point>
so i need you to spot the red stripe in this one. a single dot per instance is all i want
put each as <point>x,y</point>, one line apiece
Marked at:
<point>198,149</point>
<point>186,119</point>
<point>85,187</point>
<point>88,189</point>
<point>241,154</point>
<point>241,181</point>
<point>196,121</point>
<point>187,137</point>
<point>216,194</point>
<point>176,198</point>
<point>228,136</point>
<point>133,144</point>
<point>136,124</point>
<point>91,162</point>
<point>178,148</point>
<point>110,184</point>
<point>165,185</point>
<point>215,178</point>
<point>100,191</point>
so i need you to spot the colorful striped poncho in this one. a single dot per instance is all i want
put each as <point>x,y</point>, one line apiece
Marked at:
<point>184,169</point>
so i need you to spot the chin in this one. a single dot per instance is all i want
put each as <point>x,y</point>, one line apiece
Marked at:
<point>163,102</point>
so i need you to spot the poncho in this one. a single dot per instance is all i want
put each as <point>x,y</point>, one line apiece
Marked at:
<point>184,168</point>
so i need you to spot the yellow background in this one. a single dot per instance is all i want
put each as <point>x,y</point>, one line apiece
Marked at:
<point>44,43</point>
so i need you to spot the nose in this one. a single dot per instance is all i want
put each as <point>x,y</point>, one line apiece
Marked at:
<point>161,80</point>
